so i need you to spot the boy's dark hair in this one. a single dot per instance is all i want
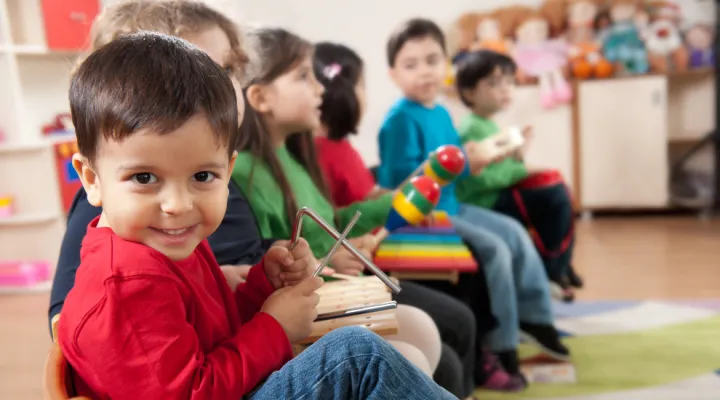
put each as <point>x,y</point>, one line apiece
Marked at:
<point>416,28</point>
<point>339,69</point>
<point>151,81</point>
<point>478,65</point>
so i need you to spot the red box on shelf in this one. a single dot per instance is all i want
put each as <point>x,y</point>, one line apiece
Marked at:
<point>68,23</point>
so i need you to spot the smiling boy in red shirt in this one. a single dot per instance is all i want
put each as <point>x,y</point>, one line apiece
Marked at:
<point>151,315</point>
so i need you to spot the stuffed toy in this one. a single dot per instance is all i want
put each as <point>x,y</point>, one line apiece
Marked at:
<point>466,27</point>
<point>623,45</point>
<point>489,31</point>
<point>663,41</point>
<point>602,24</point>
<point>539,55</point>
<point>491,34</point>
<point>482,31</point>
<point>576,19</point>
<point>699,40</point>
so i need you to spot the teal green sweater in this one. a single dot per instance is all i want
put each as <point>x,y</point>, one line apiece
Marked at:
<point>483,190</point>
<point>266,201</point>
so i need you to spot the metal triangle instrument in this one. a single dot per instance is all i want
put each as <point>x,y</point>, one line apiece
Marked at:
<point>341,241</point>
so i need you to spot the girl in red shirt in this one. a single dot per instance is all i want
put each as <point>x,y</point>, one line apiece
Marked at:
<point>347,177</point>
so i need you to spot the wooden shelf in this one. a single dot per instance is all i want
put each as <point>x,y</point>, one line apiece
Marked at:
<point>42,144</point>
<point>35,70</point>
<point>22,147</point>
<point>36,50</point>
<point>41,287</point>
<point>24,219</point>
<point>682,140</point>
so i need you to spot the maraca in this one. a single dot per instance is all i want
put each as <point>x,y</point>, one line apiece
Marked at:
<point>411,205</point>
<point>445,164</point>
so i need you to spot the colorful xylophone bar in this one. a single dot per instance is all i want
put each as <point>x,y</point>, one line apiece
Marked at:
<point>435,248</point>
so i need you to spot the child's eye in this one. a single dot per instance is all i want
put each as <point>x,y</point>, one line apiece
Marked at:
<point>204,177</point>
<point>144,178</point>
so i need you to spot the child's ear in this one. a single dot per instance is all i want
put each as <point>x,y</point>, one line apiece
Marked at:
<point>257,98</point>
<point>231,165</point>
<point>466,94</point>
<point>89,179</point>
<point>393,74</point>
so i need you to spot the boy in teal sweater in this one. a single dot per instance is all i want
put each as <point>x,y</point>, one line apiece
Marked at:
<point>485,80</point>
<point>517,286</point>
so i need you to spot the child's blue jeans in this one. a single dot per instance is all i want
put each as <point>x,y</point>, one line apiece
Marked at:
<point>515,275</point>
<point>349,363</point>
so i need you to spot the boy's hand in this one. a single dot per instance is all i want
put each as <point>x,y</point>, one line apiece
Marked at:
<point>294,309</point>
<point>527,133</point>
<point>345,262</point>
<point>286,268</point>
<point>477,160</point>
<point>235,274</point>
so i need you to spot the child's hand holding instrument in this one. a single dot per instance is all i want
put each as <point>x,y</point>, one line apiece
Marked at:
<point>411,205</point>
<point>494,148</point>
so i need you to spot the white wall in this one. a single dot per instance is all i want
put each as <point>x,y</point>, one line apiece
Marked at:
<point>362,25</point>
<point>365,26</point>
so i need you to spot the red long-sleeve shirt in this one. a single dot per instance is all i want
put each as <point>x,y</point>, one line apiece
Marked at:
<point>137,325</point>
<point>348,179</point>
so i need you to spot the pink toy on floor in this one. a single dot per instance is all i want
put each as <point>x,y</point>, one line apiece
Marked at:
<point>23,273</point>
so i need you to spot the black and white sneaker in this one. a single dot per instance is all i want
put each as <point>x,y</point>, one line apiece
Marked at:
<point>545,337</point>
<point>561,291</point>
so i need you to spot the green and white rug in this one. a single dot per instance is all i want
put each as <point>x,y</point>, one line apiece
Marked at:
<point>636,351</point>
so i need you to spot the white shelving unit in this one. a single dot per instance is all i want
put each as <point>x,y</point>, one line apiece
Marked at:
<point>615,144</point>
<point>34,83</point>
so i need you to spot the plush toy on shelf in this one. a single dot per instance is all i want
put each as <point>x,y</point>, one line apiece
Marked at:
<point>623,45</point>
<point>538,55</point>
<point>466,28</point>
<point>576,19</point>
<point>699,40</point>
<point>6,206</point>
<point>666,52</point>
<point>491,32</point>
<point>483,31</point>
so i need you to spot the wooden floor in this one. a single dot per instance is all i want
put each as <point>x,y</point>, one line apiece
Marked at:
<point>620,258</point>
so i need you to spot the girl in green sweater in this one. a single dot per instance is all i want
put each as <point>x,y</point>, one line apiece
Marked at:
<point>278,171</point>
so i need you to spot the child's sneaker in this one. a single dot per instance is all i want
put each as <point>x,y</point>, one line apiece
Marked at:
<point>561,291</point>
<point>493,377</point>
<point>547,338</point>
<point>574,279</point>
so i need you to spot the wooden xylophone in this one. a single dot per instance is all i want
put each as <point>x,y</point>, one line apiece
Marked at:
<point>426,252</point>
<point>350,293</point>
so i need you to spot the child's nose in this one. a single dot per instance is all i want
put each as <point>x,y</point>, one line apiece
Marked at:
<point>176,202</point>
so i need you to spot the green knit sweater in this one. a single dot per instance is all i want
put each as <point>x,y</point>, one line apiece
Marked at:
<point>266,201</point>
<point>483,190</point>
